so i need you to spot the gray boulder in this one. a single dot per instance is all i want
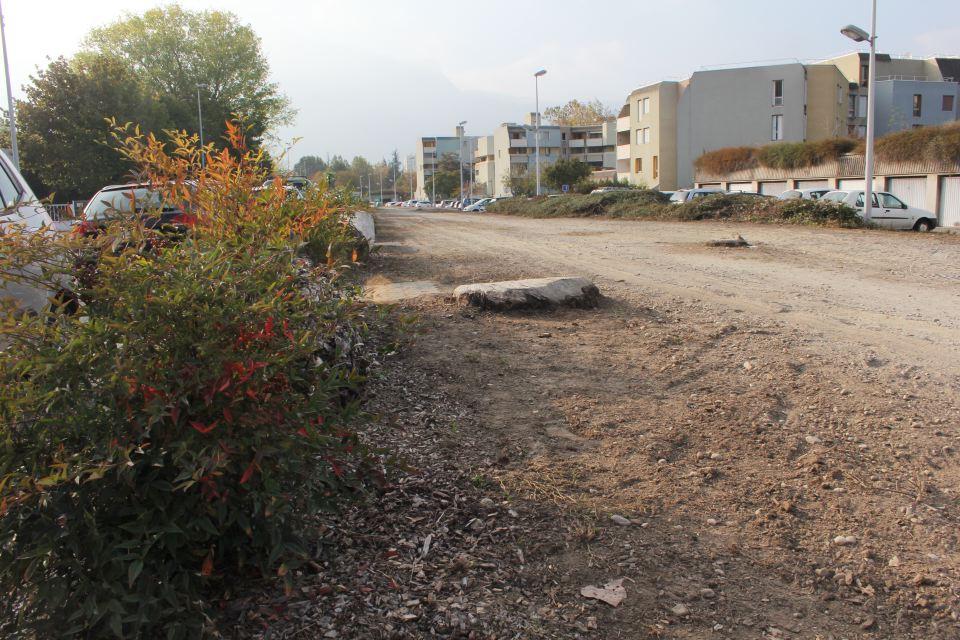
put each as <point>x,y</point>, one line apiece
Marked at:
<point>529,294</point>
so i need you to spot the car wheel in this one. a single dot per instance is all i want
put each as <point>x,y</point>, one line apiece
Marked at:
<point>923,225</point>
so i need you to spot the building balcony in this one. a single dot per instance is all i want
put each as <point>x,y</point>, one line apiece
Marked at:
<point>577,143</point>
<point>623,152</point>
<point>520,142</point>
<point>623,124</point>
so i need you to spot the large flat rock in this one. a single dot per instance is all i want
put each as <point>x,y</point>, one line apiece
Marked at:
<point>529,294</point>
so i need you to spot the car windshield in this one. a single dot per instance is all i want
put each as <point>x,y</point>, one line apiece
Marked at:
<point>679,196</point>
<point>111,203</point>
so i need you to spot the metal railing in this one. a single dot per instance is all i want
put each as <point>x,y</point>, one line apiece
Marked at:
<point>68,211</point>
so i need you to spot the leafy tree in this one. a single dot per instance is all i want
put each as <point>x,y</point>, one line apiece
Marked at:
<point>361,165</point>
<point>565,171</point>
<point>63,127</point>
<point>174,50</point>
<point>522,184</point>
<point>309,166</point>
<point>337,163</point>
<point>576,113</point>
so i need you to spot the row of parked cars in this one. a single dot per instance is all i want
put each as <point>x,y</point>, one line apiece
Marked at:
<point>887,209</point>
<point>22,210</point>
<point>470,205</point>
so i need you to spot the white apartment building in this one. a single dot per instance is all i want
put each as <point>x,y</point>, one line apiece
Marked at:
<point>432,149</point>
<point>511,151</point>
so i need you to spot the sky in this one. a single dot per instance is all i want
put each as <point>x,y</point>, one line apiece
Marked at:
<point>370,76</point>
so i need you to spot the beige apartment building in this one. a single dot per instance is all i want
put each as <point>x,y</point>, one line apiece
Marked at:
<point>664,127</point>
<point>510,151</point>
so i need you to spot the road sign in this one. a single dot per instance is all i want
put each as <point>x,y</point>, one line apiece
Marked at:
<point>566,188</point>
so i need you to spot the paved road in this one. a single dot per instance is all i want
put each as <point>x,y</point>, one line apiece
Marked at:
<point>861,293</point>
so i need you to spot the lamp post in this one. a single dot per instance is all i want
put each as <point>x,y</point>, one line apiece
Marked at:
<point>536,123</point>
<point>460,143</point>
<point>11,109</point>
<point>859,35</point>
<point>394,168</point>
<point>380,174</point>
<point>433,172</point>
<point>203,155</point>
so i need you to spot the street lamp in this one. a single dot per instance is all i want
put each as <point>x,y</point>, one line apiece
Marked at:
<point>536,123</point>
<point>11,109</point>
<point>460,142</point>
<point>433,172</point>
<point>203,154</point>
<point>857,34</point>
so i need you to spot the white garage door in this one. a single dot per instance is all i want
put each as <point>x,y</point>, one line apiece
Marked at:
<point>772,188</point>
<point>813,184</point>
<point>740,186</point>
<point>949,210</point>
<point>848,184</point>
<point>913,191</point>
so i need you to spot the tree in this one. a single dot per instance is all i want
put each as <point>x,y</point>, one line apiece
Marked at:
<point>576,113</point>
<point>174,51</point>
<point>64,132</point>
<point>309,166</point>
<point>566,172</point>
<point>337,163</point>
<point>520,184</point>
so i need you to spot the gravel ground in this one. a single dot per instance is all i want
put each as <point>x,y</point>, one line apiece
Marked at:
<point>760,443</point>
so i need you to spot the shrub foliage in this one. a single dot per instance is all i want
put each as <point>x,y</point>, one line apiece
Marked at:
<point>780,155</point>
<point>176,433</point>
<point>653,205</point>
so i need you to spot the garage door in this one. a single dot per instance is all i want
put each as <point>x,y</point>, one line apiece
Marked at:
<point>772,188</point>
<point>848,184</point>
<point>813,184</point>
<point>740,186</point>
<point>913,191</point>
<point>949,209</point>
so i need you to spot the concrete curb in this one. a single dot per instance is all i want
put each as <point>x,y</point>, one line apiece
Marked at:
<point>363,222</point>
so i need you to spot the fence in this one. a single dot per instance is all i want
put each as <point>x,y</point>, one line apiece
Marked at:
<point>68,211</point>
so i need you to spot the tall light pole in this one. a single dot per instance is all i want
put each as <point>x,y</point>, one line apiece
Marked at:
<point>380,173</point>
<point>433,172</point>
<point>203,155</point>
<point>460,142</point>
<point>536,123</point>
<point>859,35</point>
<point>11,109</point>
<point>394,167</point>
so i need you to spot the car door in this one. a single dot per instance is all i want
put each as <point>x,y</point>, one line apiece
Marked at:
<point>877,215</point>
<point>895,211</point>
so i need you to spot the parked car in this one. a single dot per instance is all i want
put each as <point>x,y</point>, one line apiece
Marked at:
<point>479,206</point>
<point>888,210</point>
<point>687,195</point>
<point>466,202</point>
<point>21,211</point>
<point>116,201</point>
<point>609,189</point>
<point>803,194</point>
<point>422,204</point>
<point>755,194</point>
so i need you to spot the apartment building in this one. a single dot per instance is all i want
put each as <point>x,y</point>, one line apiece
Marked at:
<point>664,127</point>
<point>432,149</point>
<point>511,151</point>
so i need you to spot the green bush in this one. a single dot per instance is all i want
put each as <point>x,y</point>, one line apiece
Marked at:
<point>653,205</point>
<point>780,155</point>
<point>178,433</point>
<point>933,144</point>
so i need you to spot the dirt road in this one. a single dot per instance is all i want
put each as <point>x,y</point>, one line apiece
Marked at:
<point>779,424</point>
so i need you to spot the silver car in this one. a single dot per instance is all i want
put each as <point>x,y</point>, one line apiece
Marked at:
<point>803,194</point>
<point>888,210</point>
<point>21,210</point>
<point>688,195</point>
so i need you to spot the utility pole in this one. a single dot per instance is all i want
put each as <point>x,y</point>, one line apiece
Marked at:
<point>536,123</point>
<point>394,167</point>
<point>11,108</point>
<point>460,143</point>
<point>433,173</point>
<point>380,173</point>
<point>203,156</point>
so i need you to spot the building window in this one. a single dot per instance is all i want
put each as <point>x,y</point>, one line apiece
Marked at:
<point>864,75</point>
<point>917,105</point>
<point>778,93</point>
<point>646,135</point>
<point>639,136</point>
<point>638,165</point>
<point>776,129</point>
<point>948,103</point>
<point>656,167</point>
<point>852,110</point>
<point>646,105</point>
<point>862,106</point>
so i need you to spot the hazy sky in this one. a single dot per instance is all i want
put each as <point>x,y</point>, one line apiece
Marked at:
<point>370,76</point>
